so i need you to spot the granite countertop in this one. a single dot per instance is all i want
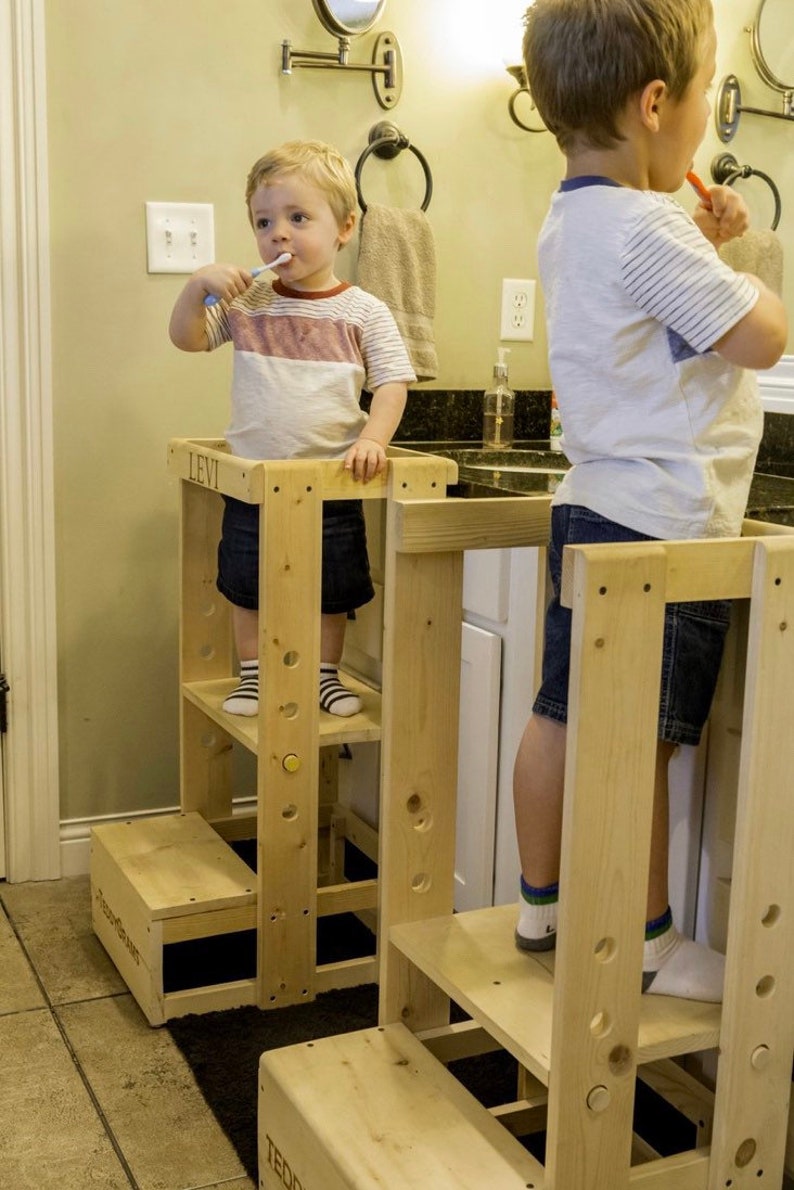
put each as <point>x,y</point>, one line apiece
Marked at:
<point>771,496</point>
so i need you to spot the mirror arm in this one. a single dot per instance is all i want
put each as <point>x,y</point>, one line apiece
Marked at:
<point>385,71</point>
<point>728,107</point>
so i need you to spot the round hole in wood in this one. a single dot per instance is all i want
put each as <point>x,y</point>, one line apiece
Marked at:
<point>605,949</point>
<point>745,1152</point>
<point>771,917</point>
<point>414,803</point>
<point>207,652</point>
<point>620,1059</point>
<point>421,882</point>
<point>290,813</point>
<point>601,1024</point>
<point>209,739</point>
<point>291,658</point>
<point>289,710</point>
<point>765,986</point>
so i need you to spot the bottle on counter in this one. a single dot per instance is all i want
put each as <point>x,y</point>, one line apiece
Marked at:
<point>555,425</point>
<point>498,409</point>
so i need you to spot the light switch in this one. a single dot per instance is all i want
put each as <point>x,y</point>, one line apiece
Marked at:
<point>180,236</point>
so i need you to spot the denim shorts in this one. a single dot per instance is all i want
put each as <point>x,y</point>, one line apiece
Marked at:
<point>346,580</point>
<point>694,637</point>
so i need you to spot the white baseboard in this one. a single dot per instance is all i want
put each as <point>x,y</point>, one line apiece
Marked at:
<point>776,386</point>
<point>75,834</point>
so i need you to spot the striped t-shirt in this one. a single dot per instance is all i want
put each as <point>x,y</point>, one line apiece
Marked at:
<point>300,363</point>
<point>663,432</point>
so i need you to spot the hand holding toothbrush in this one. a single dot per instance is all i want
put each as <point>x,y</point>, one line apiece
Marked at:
<point>722,214</point>
<point>233,281</point>
<point>207,286</point>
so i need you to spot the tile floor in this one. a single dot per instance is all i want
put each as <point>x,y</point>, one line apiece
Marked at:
<point>90,1094</point>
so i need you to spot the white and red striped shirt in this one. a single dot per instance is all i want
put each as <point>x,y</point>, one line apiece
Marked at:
<point>300,363</point>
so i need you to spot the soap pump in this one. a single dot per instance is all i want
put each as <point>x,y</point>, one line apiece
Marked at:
<point>498,408</point>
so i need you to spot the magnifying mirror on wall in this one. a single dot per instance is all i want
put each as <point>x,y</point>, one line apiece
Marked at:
<point>348,18</point>
<point>344,19</point>
<point>772,43</point>
<point>772,50</point>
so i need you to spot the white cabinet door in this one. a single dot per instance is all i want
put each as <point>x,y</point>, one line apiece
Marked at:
<point>478,758</point>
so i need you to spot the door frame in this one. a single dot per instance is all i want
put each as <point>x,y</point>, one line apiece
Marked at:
<point>27,532</point>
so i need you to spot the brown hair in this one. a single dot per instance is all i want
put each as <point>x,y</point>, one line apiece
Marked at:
<point>319,163</point>
<point>586,58</point>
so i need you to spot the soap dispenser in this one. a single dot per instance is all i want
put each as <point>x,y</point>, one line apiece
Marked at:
<point>498,408</point>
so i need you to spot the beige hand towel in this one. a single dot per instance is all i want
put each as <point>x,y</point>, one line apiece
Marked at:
<point>758,252</point>
<point>397,263</point>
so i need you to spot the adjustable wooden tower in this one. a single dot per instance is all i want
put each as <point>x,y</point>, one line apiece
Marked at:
<point>378,1108</point>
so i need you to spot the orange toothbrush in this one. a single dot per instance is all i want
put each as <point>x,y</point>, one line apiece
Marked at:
<point>699,188</point>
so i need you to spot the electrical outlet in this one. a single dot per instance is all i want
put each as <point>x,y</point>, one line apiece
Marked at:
<point>518,310</point>
<point>180,236</point>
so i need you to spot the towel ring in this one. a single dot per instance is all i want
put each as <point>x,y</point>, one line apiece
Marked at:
<point>725,170</point>
<point>386,141</point>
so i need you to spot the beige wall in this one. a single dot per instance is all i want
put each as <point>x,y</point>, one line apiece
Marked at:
<point>173,102</point>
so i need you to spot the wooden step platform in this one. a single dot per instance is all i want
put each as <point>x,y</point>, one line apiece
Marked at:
<point>473,958</point>
<point>157,881</point>
<point>373,1110</point>
<point>356,729</point>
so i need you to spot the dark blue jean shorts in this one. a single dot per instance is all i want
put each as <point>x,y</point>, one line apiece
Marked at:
<point>694,637</point>
<point>346,580</point>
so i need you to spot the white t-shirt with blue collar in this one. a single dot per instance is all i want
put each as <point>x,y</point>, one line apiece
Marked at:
<point>661,431</point>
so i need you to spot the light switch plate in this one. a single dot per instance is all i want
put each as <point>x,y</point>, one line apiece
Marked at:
<point>180,236</point>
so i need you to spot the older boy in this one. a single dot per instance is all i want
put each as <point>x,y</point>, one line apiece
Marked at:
<point>304,348</point>
<point>649,336</point>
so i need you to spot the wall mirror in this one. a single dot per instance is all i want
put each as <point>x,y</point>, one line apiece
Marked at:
<point>348,18</point>
<point>344,19</point>
<point>772,44</point>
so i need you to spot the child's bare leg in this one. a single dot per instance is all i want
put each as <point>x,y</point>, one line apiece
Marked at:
<point>244,699</point>
<point>334,697</point>
<point>538,780</point>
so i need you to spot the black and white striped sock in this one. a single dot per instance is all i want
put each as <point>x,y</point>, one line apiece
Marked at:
<point>244,699</point>
<point>334,697</point>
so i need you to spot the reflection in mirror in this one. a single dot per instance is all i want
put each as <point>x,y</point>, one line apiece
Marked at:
<point>772,43</point>
<point>348,17</point>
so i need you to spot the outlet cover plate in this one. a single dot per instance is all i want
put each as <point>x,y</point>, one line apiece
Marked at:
<point>517,322</point>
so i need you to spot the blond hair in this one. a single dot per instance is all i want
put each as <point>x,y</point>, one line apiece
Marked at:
<point>586,58</point>
<point>320,164</point>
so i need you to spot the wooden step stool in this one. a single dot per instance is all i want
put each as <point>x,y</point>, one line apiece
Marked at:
<point>159,881</point>
<point>373,1110</point>
<point>576,1020</point>
<point>147,890</point>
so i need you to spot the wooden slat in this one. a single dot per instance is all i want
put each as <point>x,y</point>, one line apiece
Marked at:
<point>347,898</point>
<point>350,973</point>
<point>207,463</point>
<point>456,524</point>
<point>209,925</point>
<point>684,1171</point>
<point>215,998</point>
<point>288,730</point>
<point>610,764</point>
<point>757,1039</point>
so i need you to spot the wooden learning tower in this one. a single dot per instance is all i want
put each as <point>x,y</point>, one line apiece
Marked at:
<point>379,1108</point>
<point>161,885</point>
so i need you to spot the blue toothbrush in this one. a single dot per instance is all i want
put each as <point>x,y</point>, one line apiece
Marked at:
<point>210,300</point>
